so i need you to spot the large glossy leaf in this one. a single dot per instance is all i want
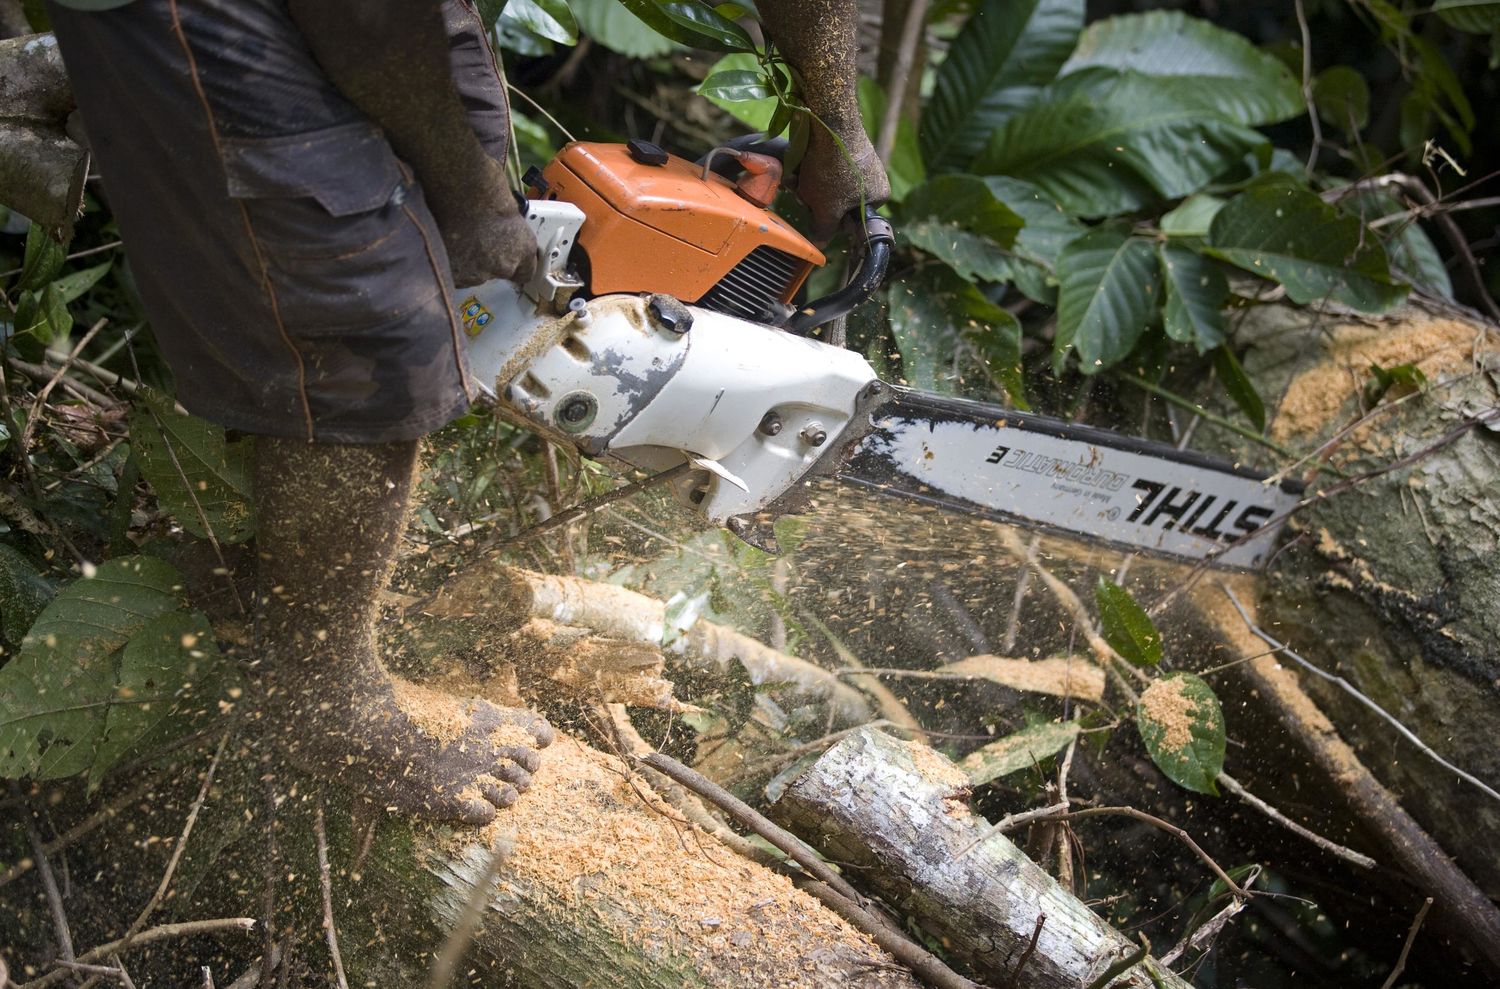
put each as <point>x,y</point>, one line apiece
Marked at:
<point>1197,291</point>
<point>939,319</point>
<point>54,693</point>
<point>1004,54</point>
<point>1290,235</point>
<point>169,678</point>
<point>1110,287</point>
<point>957,219</point>
<point>706,27</point>
<point>1413,255</point>
<point>549,19</point>
<point>1022,750</point>
<point>1102,142</point>
<point>611,24</point>
<point>1126,626</point>
<point>755,112</point>
<point>1180,721</point>
<point>1223,70</point>
<point>1475,16</point>
<point>1047,230</point>
<point>195,473</point>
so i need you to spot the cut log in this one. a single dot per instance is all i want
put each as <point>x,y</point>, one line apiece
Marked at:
<point>41,175</point>
<point>33,82</point>
<point>619,613</point>
<point>896,815</point>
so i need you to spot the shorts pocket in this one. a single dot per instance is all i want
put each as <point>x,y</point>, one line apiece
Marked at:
<point>346,239</point>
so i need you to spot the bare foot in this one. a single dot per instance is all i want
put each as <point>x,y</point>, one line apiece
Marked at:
<point>411,749</point>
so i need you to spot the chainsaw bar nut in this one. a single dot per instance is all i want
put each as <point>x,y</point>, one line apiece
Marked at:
<point>575,412</point>
<point>813,434</point>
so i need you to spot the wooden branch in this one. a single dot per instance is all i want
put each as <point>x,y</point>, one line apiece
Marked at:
<point>42,174</point>
<point>895,814</point>
<point>1461,906</point>
<point>33,83</point>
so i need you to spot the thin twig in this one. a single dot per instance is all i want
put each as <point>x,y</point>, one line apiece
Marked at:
<point>1168,827</point>
<point>1010,822</point>
<point>1354,692</point>
<point>1209,928</point>
<point>906,55</point>
<point>163,932</point>
<point>1122,966</point>
<point>49,884</point>
<point>327,884</point>
<point>39,403</point>
<point>1333,848</point>
<point>925,965</point>
<point>1411,936</point>
<point>1036,935</point>
<point>445,963</point>
<point>1307,89</point>
<point>83,828</point>
<point>584,510</point>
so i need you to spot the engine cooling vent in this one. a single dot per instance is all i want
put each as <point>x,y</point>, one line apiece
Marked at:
<point>754,287</point>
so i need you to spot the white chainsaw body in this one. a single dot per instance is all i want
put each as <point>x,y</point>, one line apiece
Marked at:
<point>653,383</point>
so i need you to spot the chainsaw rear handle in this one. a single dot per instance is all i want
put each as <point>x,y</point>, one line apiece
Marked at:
<point>866,281</point>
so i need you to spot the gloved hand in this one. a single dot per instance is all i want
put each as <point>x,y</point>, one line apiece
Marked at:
<point>488,238</point>
<point>832,181</point>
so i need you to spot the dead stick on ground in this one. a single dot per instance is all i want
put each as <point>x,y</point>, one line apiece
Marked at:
<point>1036,934</point>
<point>39,403</point>
<point>327,883</point>
<point>1411,936</point>
<point>922,963</point>
<point>1333,848</point>
<point>163,932</point>
<point>1168,827</point>
<point>49,883</point>
<point>83,828</point>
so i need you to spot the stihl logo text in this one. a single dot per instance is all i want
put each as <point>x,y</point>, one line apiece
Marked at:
<point>1170,507</point>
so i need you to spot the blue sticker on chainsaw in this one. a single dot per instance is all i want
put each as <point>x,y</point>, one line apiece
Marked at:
<point>475,316</point>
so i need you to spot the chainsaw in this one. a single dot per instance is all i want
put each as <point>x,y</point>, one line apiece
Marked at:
<point>661,331</point>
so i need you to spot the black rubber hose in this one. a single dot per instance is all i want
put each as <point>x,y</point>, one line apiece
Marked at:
<point>866,281</point>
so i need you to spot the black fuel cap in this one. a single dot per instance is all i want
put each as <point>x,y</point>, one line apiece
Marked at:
<point>645,152</point>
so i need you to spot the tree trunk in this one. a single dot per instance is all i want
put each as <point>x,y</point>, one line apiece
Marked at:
<point>42,170</point>
<point>896,814</point>
<point>1395,585</point>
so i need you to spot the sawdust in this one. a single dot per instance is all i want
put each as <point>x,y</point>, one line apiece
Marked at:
<point>1056,675</point>
<point>935,766</point>
<point>585,845</point>
<point>1167,703</point>
<point>1315,397</point>
<point>439,714</point>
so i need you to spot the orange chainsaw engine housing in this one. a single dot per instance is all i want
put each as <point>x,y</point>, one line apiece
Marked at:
<point>666,228</point>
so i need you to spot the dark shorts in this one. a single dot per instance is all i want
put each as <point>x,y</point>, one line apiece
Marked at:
<point>295,280</point>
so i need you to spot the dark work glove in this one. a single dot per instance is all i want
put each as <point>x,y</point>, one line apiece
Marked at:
<point>834,181</point>
<point>486,235</point>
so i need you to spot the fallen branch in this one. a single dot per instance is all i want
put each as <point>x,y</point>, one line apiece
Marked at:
<point>1331,847</point>
<point>163,932</point>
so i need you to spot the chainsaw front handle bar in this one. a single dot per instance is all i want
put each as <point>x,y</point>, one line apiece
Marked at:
<point>879,239</point>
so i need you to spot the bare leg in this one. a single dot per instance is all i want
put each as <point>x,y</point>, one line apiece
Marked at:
<point>330,518</point>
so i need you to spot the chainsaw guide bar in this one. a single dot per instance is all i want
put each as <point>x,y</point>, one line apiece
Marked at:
<point>1037,472</point>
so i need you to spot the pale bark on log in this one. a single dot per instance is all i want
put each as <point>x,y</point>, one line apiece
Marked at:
<point>617,612</point>
<point>41,175</point>
<point>33,82</point>
<point>895,814</point>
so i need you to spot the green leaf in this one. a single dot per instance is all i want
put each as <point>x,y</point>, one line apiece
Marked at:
<point>1474,16</point>
<point>24,592</point>
<point>754,113</point>
<point>1240,388</point>
<point>1342,98</point>
<point>55,693</point>
<point>191,467</point>
<point>1022,750</point>
<point>706,27</point>
<point>1047,230</point>
<point>933,313</point>
<point>168,683</point>
<point>1197,292</point>
<point>612,25</point>
<point>1180,721</point>
<point>735,86</point>
<point>1000,59</point>
<point>957,219</point>
<point>75,283</point>
<point>1102,142</point>
<point>1405,378</point>
<point>42,260</point>
<point>1290,235</point>
<point>905,169</point>
<point>1412,253</point>
<point>1192,216</point>
<point>550,19</point>
<point>44,316</point>
<point>1109,292</point>
<point>1223,70</point>
<point>1126,626</point>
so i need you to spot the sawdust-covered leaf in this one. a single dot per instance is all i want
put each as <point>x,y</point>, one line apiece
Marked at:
<point>1126,626</point>
<point>55,693</point>
<point>195,473</point>
<point>1019,751</point>
<point>1180,721</point>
